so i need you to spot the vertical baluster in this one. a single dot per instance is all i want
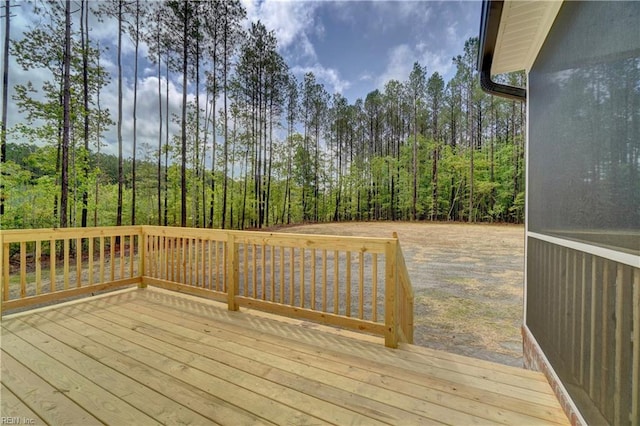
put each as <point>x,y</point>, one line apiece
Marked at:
<point>313,279</point>
<point>65,268</point>
<point>216,268</point>
<point>123,245</point>
<point>112,264</point>
<point>361,286</point>
<point>203,264</point>
<point>273,274</point>
<point>324,281</point>
<point>38,267</point>
<point>131,253</point>
<point>282,255</point>
<point>23,269</point>
<point>292,272</point>
<point>52,266</point>
<point>302,283</point>
<point>254,272</point>
<point>336,282</point>
<point>263,270</point>
<point>213,256</point>
<point>90,241</point>
<point>245,253</point>
<point>5,271</point>
<point>348,285</point>
<point>374,287</point>
<point>78,262</point>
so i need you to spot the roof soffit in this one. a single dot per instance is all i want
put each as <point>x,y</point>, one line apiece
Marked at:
<point>524,26</point>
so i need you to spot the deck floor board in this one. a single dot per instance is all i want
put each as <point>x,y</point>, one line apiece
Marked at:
<point>279,354</point>
<point>150,356</point>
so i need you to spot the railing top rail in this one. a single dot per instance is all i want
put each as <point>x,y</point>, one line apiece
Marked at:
<point>43,234</point>
<point>311,241</point>
<point>314,241</point>
<point>180,232</point>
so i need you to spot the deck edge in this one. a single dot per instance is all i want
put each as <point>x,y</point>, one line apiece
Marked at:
<point>81,299</point>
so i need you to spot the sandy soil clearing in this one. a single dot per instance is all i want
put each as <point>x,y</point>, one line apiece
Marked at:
<point>468,283</point>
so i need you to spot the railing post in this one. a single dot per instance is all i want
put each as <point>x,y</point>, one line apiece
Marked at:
<point>390,296</point>
<point>232,272</point>
<point>142,249</point>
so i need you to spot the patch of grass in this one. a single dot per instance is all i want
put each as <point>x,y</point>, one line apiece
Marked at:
<point>479,318</point>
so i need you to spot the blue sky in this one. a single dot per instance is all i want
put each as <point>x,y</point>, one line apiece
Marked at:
<point>353,47</point>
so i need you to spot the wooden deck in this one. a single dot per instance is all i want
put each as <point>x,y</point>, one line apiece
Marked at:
<point>150,356</point>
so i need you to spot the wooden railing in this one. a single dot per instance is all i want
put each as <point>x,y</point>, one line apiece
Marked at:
<point>352,282</point>
<point>44,265</point>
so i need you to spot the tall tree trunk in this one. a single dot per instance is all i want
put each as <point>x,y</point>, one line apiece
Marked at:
<point>213,148</point>
<point>414,200</point>
<point>203,166</point>
<point>471,152</point>
<point>196,148</point>
<point>244,192</point>
<point>233,168</point>
<point>166,148</point>
<point>183,159</point>
<point>135,119</point>
<point>120,168</point>
<point>225,154</point>
<point>98,134</point>
<point>84,35</point>
<point>5,97</point>
<point>159,171</point>
<point>66,108</point>
<point>316,183</point>
<point>492,202</point>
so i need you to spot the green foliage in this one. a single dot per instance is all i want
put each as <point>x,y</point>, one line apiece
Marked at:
<point>418,149</point>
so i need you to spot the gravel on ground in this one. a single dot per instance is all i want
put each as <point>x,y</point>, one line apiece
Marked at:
<point>467,280</point>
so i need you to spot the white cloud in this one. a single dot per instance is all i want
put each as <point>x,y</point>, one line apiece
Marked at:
<point>290,20</point>
<point>328,76</point>
<point>435,61</point>
<point>148,121</point>
<point>399,64</point>
<point>402,57</point>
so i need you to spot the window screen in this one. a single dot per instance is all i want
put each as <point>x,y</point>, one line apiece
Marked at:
<point>584,134</point>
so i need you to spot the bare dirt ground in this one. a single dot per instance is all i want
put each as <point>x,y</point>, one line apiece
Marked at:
<point>467,279</point>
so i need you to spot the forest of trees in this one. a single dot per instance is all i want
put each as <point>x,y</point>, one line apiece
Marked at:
<point>256,147</point>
